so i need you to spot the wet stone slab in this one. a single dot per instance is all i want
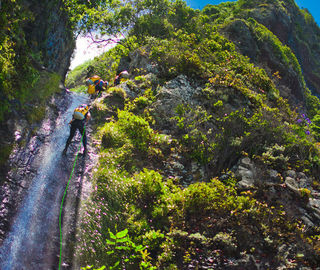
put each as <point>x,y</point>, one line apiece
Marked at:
<point>24,160</point>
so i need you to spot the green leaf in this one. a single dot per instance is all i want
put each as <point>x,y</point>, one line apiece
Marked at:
<point>112,235</point>
<point>122,233</point>
<point>110,242</point>
<point>122,240</point>
<point>140,248</point>
<point>122,248</point>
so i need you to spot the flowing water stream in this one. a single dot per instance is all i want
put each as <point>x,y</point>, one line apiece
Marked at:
<point>33,241</point>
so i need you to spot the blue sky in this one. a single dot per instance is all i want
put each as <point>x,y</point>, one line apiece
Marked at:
<point>312,5</point>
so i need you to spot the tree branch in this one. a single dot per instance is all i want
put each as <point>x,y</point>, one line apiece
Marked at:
<point>103,41</point>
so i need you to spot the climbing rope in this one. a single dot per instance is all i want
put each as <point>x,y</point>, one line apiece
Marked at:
<point>64,195</point>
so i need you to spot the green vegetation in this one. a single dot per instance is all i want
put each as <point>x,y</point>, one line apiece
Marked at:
<point>24,90</point>
<point>4,154</point>
<point>142,215</point>
<point>75,78</point>
<point>166,221</point>
<point>46,85</point>
<point>16,71</point>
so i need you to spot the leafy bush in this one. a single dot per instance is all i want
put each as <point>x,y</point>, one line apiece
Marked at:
<point>111,136</point>
<point>138,104</point>
<point>315,126</point>
<point>136,128</point>
<point>123,253</point>
<point>147,187</point>
<point>312,103</point>
<point>209,197</point>
<point>118,92</point>
<point>275,157</point>
<point>77,76</point>
<point>197,137</point>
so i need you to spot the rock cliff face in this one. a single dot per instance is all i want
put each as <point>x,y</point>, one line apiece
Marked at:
<point>50,35</point>
<point>23,165</point>
<point>49,42</point>
<point>262,53</point>
<point>299,31</point>
<point>293,27</point>
<point>46,39</point>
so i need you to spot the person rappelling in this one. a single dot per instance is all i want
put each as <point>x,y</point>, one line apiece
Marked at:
<point>80,118</point>
<point>96,85</point>
<point>122,75</point>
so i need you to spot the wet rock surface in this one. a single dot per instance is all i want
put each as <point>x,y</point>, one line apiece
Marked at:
<point>78,191</point>
<point>33,189</point>
<point>24,161</point>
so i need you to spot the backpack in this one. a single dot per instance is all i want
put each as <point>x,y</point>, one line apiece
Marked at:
<point>92,80</point>
<point>80,112</point>
<point>91,89</point>
<point>95,79</point>
<point>124,74</point>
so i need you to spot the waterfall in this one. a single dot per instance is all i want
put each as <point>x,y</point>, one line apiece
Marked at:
<point>33,241</point>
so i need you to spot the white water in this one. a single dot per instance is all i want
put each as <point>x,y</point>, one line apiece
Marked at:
<point>33,242</point>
